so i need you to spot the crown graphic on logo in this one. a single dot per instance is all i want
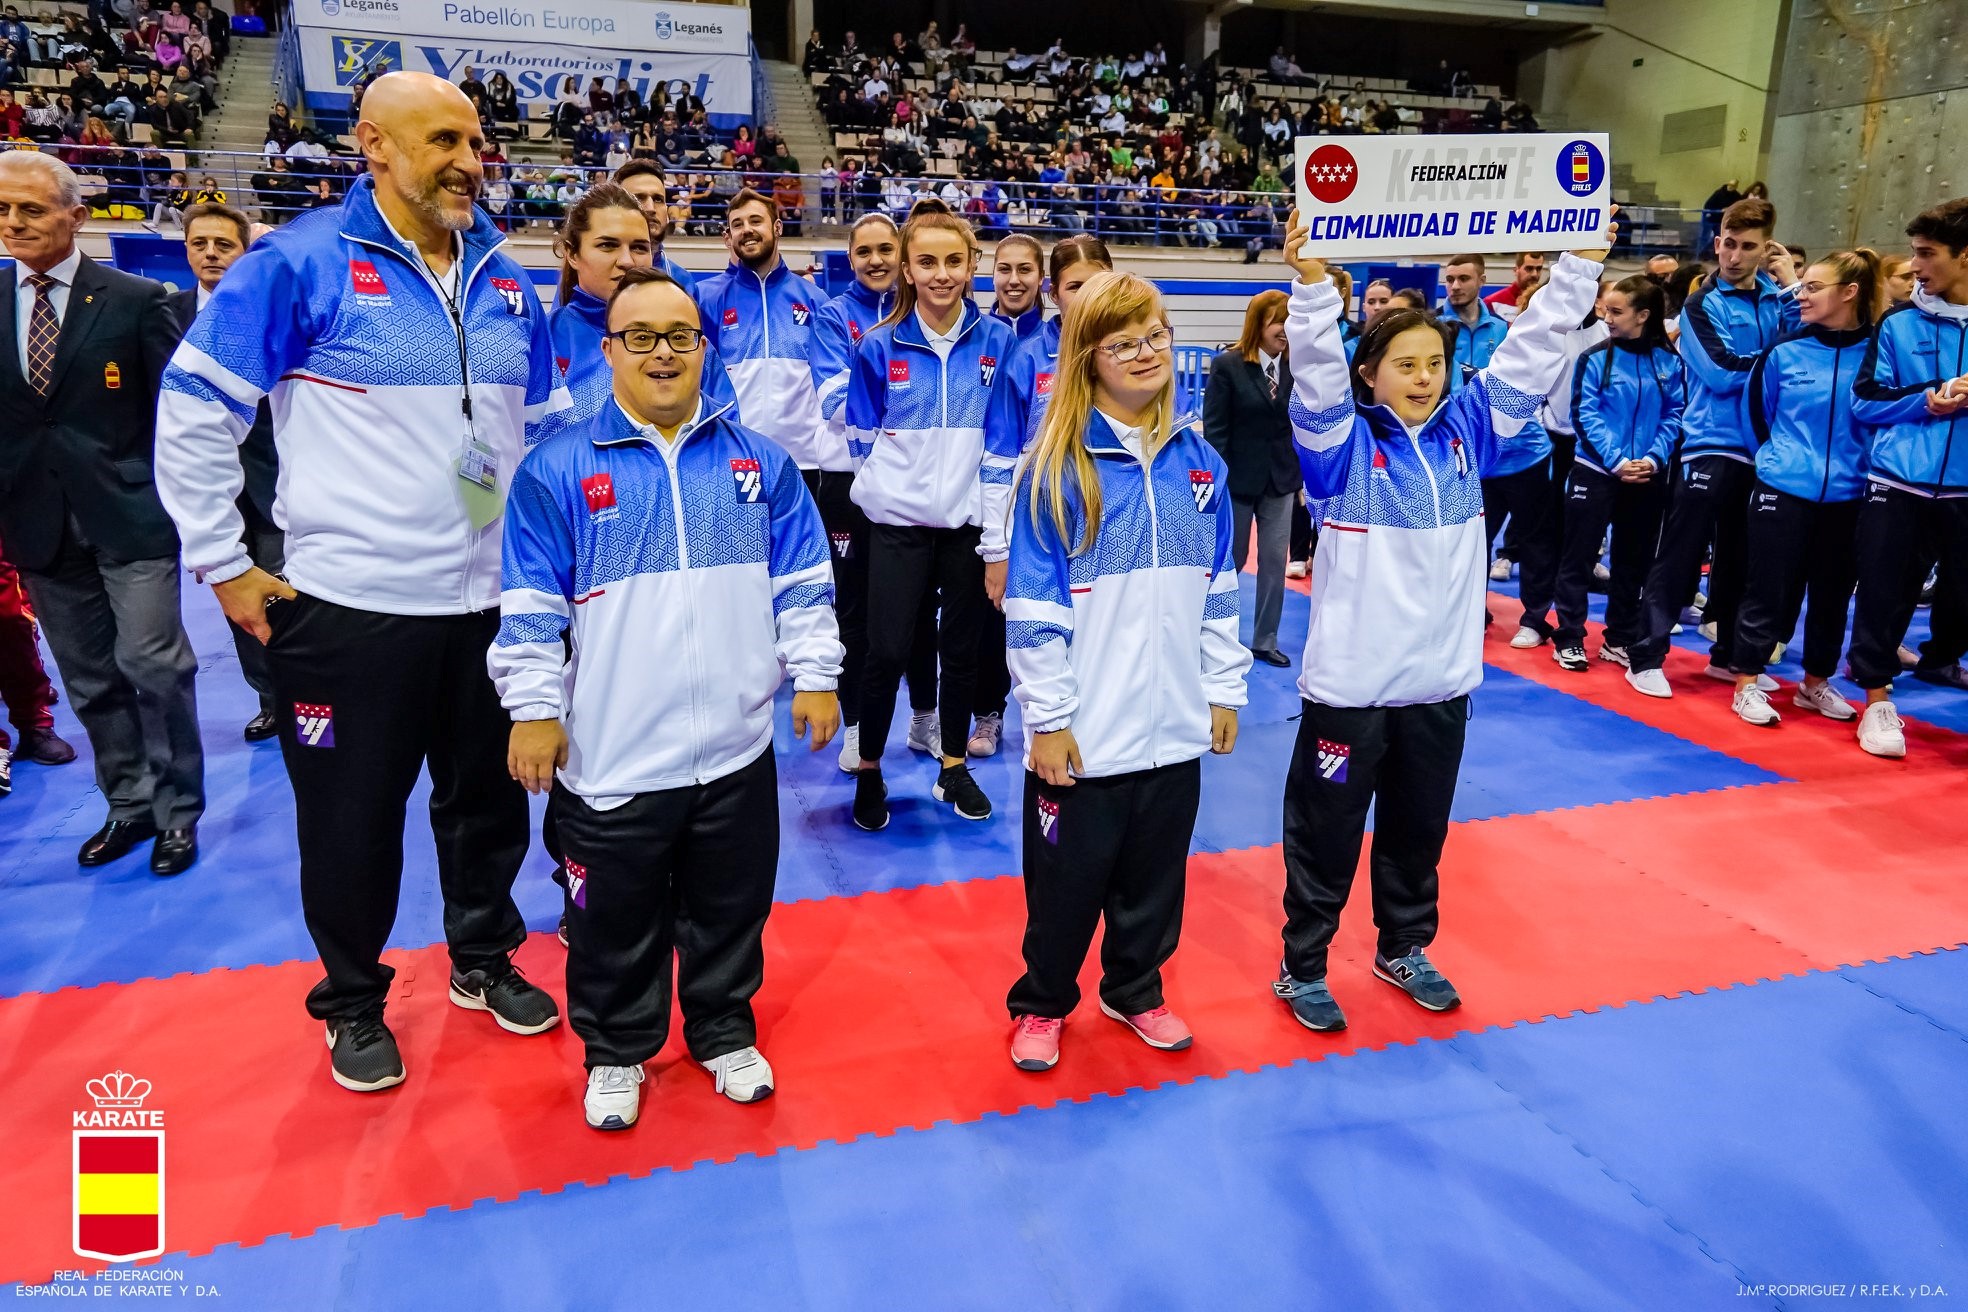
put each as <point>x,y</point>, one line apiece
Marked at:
<point>119,1089</point>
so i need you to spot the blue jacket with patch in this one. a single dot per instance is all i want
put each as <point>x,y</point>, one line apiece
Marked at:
<point>1473,346</point>
<point>1723,330</point>
<point>1809,442</point>
<point>1916,348</point>
<point>1017,408</point>
<point>578,327</point>
<point>337,321</point>
<point>685,278</point>
<point>1628,399</point>
<point>707,555</point>
<point>915,423</point>
<point>837,330</point>
<point>1130,642</point>
<point>764,329</point>
<point>1027,325</point>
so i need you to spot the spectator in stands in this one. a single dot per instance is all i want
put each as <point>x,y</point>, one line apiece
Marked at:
<point>502,101</point>
<point>688,105</point>
<point>192,91</point>
<point>278,190</point>
<point>167,209</point>
<point>470,83</point>
<point>175,21</point>
<point>601,101</point>
<point>590,143</point>
<point>816,58</point>
<point>1509,299</point>
<point>90,91</point>
<point>569,105</point>
<point>216,24</point>
<point>963,50</point>
<point>1277,134</point>
<point>1017,67</point>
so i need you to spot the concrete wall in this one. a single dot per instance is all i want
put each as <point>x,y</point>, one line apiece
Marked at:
<point>1695,54</point>
<point>1872,119</point>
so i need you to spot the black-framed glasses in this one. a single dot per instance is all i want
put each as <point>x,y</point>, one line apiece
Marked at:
<point>1129,348</point>
<point>641,341</point>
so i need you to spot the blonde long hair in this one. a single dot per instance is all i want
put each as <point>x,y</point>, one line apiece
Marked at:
<point>1058,460</point>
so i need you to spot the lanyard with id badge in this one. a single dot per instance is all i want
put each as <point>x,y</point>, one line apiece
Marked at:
<point>478,463</point>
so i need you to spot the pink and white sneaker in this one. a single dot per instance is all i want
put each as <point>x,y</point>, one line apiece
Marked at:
<point>1035,1042</point>
<point>1159,1028</point>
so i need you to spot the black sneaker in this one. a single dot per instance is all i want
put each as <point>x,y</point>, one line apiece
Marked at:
<point>870,801</point>
<point>516,1004</point>
<point>362,1053</point>
<point>1571,658</point>
<point>1947,676</point>
<point>955,786</point>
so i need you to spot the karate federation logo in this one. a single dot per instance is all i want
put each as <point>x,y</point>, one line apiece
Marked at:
<point>577,883</point>
<point>746,481</point>
<point>515,298</point>
<point>1202,486</point>
<point>1581,168</point>
<point>987,368</point>
<point>599,489</point>
<point>1333,760</point>
<point>314,724</point>
<point>801,314</point>
<point>843,545</point>
<point>118,1172</point>
<point>1049,820</point>
<point>1331,174</point>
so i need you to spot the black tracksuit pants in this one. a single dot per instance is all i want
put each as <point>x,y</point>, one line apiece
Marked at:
<point>1709,504</point>
<point>1403,760</point>
<point>1895,528</point>
<point>1592,501</point>
<point>908,568</point>
<point>1797,547</point>
<point>1115,848</point>
<point>1524,498</point>
<point>367,702</point>
<point>683,875</point>
<point>847,532</point>
<point>1304,533</point>
<point>993,669</point>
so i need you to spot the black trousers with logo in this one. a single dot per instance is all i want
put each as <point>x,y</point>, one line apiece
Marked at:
<point>1797,547</point>
<point>1113,849</point>
<point>1897,528</point>
<point>1524,498</point>
<point>681,876</point>
<point>1402,761</point>
<point>1592,501</point>
<point>847,531</point>
<point>367,702</point>
<point>1709,504</point>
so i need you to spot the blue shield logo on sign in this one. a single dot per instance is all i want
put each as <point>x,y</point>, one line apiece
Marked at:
<point>1581,168</point>
<point>356,55</point>
<point>665,29</point>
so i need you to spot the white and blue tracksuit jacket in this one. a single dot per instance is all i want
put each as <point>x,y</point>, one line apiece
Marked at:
<point>1809,442</point>
<point>578,328</point>
<point>1473,346</point>
<point>1130,643</point>
<point>339,324</point>
<point>1917,347</point>
<point>692,579</point>
<point>837,329</point>
<point>1398,588</point>
<point>1027,325</point>
<point>763,327</point>
<point>1628,399</point>
<point>685,278</point>
<point>915,422</point>
<point>1723,330</point>
<point>1017,408</point>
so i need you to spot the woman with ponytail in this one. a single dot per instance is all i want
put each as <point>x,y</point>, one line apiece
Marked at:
<point>917,397</point>
<point>1122,610</point>
<point>604,234</point>
<point>1810,476</point>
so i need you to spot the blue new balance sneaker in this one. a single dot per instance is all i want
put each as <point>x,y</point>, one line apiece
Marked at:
<point>1415,975</point>
<point>1311,1003</point>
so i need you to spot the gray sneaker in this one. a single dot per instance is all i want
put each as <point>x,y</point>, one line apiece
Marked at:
<point>362,1053</point>
<point>516,1004</point>
<point>1415,975</point>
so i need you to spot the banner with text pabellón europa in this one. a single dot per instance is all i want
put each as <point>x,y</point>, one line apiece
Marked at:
<point>1366,196</point>
<point>332,59</point>
<point>655,26</point>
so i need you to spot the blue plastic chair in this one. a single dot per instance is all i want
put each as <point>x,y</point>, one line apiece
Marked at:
<point>1192,370</point>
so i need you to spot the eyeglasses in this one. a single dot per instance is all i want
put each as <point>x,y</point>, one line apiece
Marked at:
<point>1129,348</point>
<point>641,341</point>
<point>1813,288</point>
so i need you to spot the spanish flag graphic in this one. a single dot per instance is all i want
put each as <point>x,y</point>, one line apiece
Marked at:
<point>119,1194</point>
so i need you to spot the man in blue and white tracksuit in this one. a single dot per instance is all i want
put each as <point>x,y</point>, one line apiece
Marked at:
<point>408,365</point>
<point>663,529</point>
<point>1731,319</point>
<point>1478,329</point>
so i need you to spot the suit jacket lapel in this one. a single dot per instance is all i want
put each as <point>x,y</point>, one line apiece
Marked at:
<point>84,301</point>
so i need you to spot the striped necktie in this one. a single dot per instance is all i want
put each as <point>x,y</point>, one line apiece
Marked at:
<point>43,334</point>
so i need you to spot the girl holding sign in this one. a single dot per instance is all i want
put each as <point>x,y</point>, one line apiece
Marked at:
<point>1395,643</point>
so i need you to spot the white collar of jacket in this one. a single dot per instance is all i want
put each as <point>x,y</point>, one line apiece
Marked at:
<point>1934,305</point>
<point>877,304</point>
<point>363,221</point>
<point>908,331</point>
<point>617,427</point>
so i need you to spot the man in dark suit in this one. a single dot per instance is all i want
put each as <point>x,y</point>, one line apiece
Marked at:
<point>215,235</point>
<point>1245,419</point>
<point>82,351</point>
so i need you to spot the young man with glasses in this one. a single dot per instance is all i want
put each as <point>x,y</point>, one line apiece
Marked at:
<point>662,526</point>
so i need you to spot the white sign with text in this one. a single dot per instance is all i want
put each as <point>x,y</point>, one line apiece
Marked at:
<point>1367,196</point>
<point>646,25</point>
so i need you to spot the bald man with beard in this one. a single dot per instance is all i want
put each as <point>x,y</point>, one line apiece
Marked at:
<point>410,368</point>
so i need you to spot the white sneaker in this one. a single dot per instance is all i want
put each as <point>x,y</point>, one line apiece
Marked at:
<point>1823,699</point>
<point>1764,683</point>
<point>925,736</point>
<point>1653,683</point>
<point>614,1097</point>
<point>1615,655</point>
<point>1601,575</point>
<point>1500,570</point>
<point>1707,631</point>
<point>1753,705</point>
<point>850,757</point>
<point>1526,638</point>
<point>984,735</point>
<point>1297,569</point>
<point>742,1076</point>
<point>1881,730</point>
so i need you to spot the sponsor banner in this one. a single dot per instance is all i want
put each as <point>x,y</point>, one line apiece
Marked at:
<point>1365,197</point>
<point>333,59</point>
<point>609,24</point>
